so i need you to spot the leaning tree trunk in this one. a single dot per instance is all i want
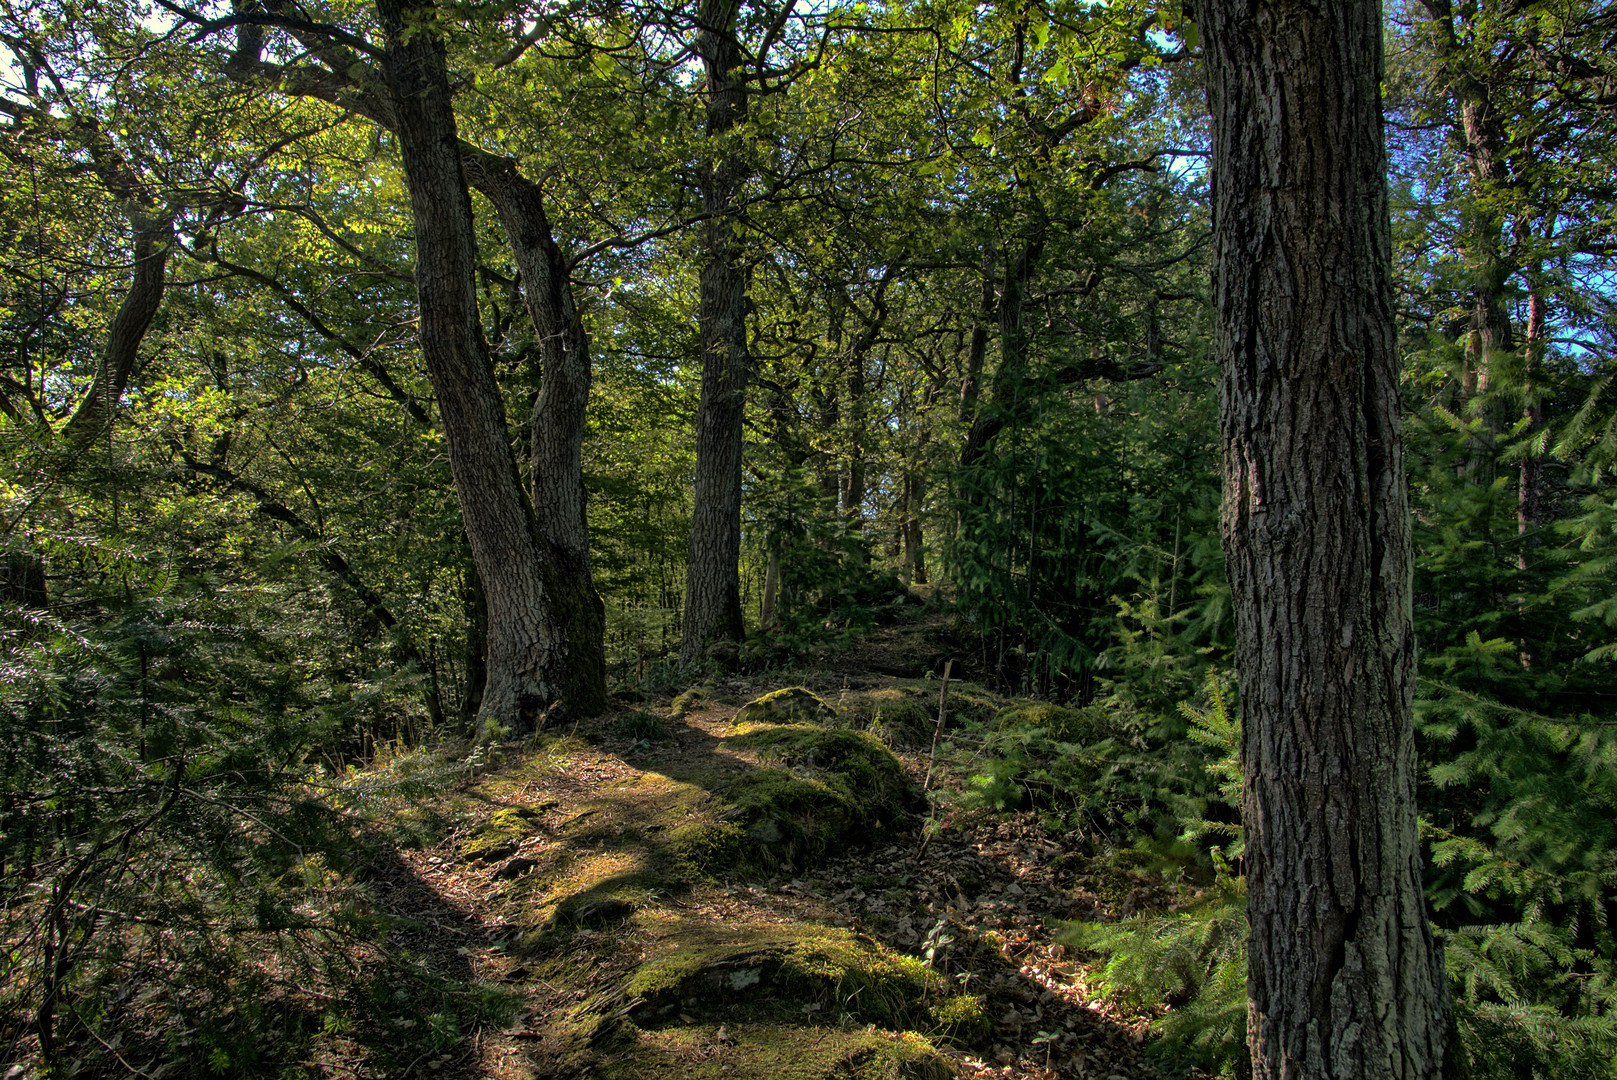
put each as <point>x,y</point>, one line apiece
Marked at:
<point>1344,978</point>
<point>526,652</point>
<point>556,427</point>
<point>713,577</point>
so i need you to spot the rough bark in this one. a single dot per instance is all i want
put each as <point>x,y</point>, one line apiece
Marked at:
<point>1344,978</point>
<point>526,651</point>
<point>713,581</point>
<point>556,425</point>
<point>573,615</point>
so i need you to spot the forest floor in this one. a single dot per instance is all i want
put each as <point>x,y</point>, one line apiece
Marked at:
<point>692,888</point>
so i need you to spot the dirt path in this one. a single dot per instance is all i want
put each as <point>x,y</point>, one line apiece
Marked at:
<point>668,893</point>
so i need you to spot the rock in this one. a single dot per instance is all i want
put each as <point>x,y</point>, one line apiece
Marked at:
<point>602,911</point>
<point>688,702</point>
<point>792,705</point>
<point>514,869</point>
<point>498,852</point>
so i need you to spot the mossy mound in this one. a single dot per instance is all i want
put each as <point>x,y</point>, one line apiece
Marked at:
<point>792,971</point>
<point>789,705</point>
<point>616,852</point>
<point>968,701</point>
<point>688,702</point>
<point>829,786</point>
<point>499,836</point>
<point>775,1052</point>
<point>1058,723</point>
<point>905,715</point>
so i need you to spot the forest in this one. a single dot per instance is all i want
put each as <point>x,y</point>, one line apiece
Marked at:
<point>749,538</point>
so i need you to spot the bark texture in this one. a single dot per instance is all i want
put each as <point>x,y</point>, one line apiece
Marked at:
<point>556,426</point>
<point>569,646</point>
<point>1344,978</point>
<point>713,580</point>
<point>526,655</point>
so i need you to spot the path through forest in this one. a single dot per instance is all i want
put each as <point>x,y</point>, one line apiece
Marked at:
<point>699,889</point>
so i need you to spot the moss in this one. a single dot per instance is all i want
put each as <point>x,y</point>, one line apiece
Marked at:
<point>689,701</point>
<point>962,1020</point>
<point>775,968</point>
<point>1060,724</point>
<point>904,715</point>
<point>775,1052</point>
<point>499,836</point>
<point>834,784</point>
<point>716,845</point>
<point>790,705</point>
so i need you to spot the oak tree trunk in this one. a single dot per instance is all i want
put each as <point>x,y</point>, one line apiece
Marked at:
<point>556,427</point>
<point>1344,977</point>
<point>525,648</point>
<point>713,580</point>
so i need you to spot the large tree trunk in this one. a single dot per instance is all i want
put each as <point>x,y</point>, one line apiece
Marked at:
<point>1344,977</point>
<point>556,427</point>
<point>526,650</point>
<point>713,581</point>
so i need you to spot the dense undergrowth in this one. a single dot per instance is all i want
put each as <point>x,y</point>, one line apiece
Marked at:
<point>1517,813</point>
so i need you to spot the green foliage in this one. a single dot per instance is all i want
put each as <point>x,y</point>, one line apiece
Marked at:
<point>1192,963</point>
<point>640,725</point>
<point>1521,814</point>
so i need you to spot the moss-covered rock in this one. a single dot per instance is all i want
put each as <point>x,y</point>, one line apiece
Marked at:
<point>688,702</point>
<point>790,705</point>
<point>500,834</point>
<point>770,969</point>
<point>903,715</point>
<point>776,1052</point>
<point>826,787</point>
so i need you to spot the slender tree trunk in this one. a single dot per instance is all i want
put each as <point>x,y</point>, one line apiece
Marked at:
<point>853,495</point>
<point>544,627</point>
<point>713,581</point>
<point>526,651</point>
<point>914,553</point>
<point>1005,389</point>
<point>475,656</point>
<point>1482,134</point>
<point>766,606</point>
<point>1530,477</point>
<point>1344,977</point>
<point>154,236</point>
